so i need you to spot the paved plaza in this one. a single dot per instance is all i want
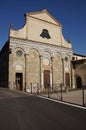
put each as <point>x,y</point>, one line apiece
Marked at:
<point>75,97</point>
<point>24,111</point>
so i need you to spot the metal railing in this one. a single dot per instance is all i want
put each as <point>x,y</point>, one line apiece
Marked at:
<point>56,91</point>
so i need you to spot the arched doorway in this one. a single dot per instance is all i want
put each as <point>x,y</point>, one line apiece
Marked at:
<point>19,81</point>
<point>78,82</point>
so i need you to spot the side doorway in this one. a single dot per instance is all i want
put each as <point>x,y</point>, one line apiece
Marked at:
<point>78,82</point>
<point>46,78</point>
<point>19,81</point>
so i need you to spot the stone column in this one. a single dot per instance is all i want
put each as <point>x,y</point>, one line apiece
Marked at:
<point>51,74</point>
<point>25,55</point>
<point>73,76</point>
<point>51,83</point>
<point>63,70</point>
<point>70,74</point>
<point>42,80</point>
<point>41,74</point>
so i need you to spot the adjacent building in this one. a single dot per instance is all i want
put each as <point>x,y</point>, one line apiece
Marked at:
<point>79,66</point>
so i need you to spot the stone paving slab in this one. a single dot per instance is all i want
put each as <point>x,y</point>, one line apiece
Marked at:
<point>75,97</point>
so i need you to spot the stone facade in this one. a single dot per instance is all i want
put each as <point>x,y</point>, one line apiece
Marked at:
<point>36,58</point>
<point>39,54</point>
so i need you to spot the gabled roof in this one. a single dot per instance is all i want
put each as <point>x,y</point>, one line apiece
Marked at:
<point>44,15</point>
<point>75,54</point>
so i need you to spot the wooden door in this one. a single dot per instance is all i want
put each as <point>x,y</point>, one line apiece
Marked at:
<point>46,78</point>
<point>67,80</point>
<point>19,81</point>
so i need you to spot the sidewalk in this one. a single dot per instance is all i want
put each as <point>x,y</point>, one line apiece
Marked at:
<point>75,97</point>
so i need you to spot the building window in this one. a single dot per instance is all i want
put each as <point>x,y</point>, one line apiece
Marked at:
<point>45,34</point>
<point>19,53</point>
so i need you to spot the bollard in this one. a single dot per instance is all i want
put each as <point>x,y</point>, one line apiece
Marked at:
<point>61,92</point>
<point>37,88</point>
<point>31,87</point>
<point>48,92</point>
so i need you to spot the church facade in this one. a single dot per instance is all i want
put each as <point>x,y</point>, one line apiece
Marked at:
<point>37,55</point>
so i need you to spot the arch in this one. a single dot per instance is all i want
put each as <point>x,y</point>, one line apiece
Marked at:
<point>33,68</point>
<point>47,54</point>
<point>18,53</point>
<point>34,49</point>
<point>47,50</point>
<point>68,56</point>
<point>81,70</point>
<point>78,81</point>
<point>58,53</point>
<point>19,48</point>
<point>57,59</point>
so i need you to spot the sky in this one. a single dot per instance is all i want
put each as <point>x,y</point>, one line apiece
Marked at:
<point>70,13</point>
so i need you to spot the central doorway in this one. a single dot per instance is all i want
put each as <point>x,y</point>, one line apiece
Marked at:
<point>19,81</point>
<point>46,78</point>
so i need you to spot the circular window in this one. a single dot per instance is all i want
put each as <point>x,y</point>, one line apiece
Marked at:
<point>19,53</point>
